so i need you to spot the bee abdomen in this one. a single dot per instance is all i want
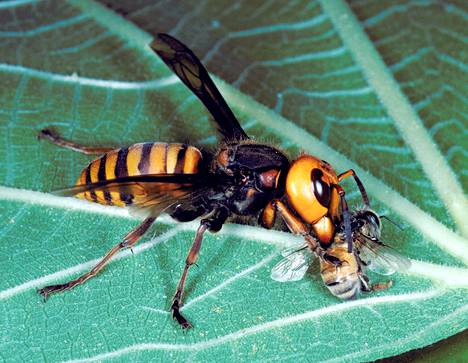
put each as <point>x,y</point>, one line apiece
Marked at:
<point>138,159</point>
<point>347,289</point>
<point>343,280</point>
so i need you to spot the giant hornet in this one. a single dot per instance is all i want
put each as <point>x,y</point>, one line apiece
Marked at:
<point>347,279</point>
<point>242,178</point>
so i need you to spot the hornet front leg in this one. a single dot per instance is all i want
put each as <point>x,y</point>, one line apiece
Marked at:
<point>296,226</point>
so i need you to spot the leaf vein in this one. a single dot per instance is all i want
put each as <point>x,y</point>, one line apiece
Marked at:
<point>93,82</point>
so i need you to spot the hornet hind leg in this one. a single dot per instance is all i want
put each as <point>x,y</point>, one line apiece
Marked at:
<point>56,139</point>
<point>129,240</point>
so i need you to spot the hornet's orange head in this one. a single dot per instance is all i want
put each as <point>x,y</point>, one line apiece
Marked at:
<point>309,188</point>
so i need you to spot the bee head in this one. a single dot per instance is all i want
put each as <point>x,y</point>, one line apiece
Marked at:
<point>368,223</point>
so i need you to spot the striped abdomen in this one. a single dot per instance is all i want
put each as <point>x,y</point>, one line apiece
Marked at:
<point>138,159</point>
<point>342,281</point>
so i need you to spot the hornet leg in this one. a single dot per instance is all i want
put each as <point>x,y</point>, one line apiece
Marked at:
<point>129,240</point>
<point>56,139</point>
<point>214,224</point>
<point>346,219</point>
<point>268,216</point>
<point>297,227</point>
<point>352,173</point>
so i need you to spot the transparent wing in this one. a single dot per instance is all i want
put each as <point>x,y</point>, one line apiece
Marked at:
<point>378,257</point>
<point>294,264</point>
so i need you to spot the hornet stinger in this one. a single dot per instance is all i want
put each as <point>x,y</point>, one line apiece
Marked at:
<point>242,177</point>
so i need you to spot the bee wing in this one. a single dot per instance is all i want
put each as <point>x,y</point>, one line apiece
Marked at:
<point>148,195</point>
<point>294,264</point>
<point>186,65</point>
<point>379,257</point>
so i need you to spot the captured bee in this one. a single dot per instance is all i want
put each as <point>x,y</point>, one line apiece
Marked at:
<point>242,178</point>
<point>347,278</point>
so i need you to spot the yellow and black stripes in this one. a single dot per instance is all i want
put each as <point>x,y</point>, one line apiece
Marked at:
<point>143,165</point>
<point>121,168</point>
<point>102,176</point>
<point>138,159</point>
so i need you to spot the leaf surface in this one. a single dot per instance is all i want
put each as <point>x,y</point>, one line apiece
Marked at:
<point>78,67</point>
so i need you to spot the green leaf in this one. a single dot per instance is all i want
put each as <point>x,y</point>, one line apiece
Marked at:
<point>297,76</point>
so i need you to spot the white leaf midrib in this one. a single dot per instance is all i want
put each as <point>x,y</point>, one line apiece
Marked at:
<point>9,4</point>
<point>447,276</point>
<point>91,82</point>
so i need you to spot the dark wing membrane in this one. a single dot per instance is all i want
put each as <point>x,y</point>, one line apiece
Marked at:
<point>150,194</point>
<point>189,69</point>
<point>379,257</point>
